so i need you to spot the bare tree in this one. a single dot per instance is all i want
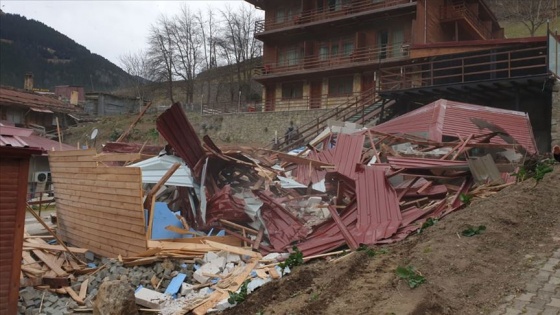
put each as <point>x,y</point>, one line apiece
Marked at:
<point>239,46</point>
<point>532,14</point>
<point>187,44</point>
<point>209,31</point>
<point>161,52</point>
<point>138,67</point>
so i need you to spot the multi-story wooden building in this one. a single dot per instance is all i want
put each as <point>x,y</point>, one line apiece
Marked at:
<point>369,59</point>
<point>323,53</point>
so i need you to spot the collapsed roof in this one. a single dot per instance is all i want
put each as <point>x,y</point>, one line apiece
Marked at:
<point>374,186</point>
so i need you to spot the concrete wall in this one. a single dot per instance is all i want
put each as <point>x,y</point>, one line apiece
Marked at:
<point>555,121</point>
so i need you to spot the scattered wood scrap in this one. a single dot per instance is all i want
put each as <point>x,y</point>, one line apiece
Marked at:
<point>52,267</point>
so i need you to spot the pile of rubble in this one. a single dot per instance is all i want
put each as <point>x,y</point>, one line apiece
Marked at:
<point>212,213</point>
<point>352,187</point>
<point>173,286</point>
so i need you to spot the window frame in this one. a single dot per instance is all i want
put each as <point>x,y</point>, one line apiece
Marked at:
<point>295,89</point>
<point>341,86</point>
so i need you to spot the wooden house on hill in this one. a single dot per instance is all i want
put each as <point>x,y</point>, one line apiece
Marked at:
<point>388,57</point>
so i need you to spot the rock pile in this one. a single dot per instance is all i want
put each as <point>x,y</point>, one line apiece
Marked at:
<point>203,277</point>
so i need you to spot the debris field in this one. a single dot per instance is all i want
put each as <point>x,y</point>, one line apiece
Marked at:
<point>231,214</point>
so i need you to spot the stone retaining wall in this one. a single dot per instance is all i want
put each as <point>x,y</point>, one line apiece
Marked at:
<point>256,128</point>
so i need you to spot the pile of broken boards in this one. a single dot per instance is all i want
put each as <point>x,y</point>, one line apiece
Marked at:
<point>208,285</point>
<point>368,186</point>
<point>53,267</point>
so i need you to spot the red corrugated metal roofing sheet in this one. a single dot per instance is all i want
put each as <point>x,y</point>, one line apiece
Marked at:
<point>348,153</point>
<point>24,138</point>
<point>174,126</point>
<point>416,163</point>
<point>450,118</point>
<point>282,226</point>
<point>306,174</point>
<point>379,214</point>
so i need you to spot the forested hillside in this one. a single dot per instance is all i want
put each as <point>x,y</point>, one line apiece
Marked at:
<point>52,57</point>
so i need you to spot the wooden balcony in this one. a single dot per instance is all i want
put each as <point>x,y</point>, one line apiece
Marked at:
<point>459,12</point>
<point>359,57</point>
<point>328,14</point>
<point>507,64</point>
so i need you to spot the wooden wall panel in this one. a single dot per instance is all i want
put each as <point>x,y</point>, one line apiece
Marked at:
<point>14,166</point>
<point>98,207</point>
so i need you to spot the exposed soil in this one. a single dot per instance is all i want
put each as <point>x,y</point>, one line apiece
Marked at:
<point>464,275</point>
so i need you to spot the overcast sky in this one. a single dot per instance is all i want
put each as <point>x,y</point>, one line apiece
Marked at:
<point>107,28</point>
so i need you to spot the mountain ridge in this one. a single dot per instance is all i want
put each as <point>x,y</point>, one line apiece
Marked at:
<point>28,45</point>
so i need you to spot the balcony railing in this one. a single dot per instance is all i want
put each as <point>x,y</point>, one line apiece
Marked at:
<point>326,13</point>
<point>461,11</point>
<point>510,64</point>
<point>359,56</point>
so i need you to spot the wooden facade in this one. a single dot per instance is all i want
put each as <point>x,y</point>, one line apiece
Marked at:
<point>31,110</point>
<point>98,207</point>
<point>14,167</point>
<point>320,54</point>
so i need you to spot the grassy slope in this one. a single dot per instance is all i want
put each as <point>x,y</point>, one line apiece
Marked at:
<point>514,30</point>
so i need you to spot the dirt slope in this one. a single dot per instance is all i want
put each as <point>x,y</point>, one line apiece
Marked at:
<point>464,275</point>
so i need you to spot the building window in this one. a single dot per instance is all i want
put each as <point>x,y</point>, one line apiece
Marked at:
<point>337,47</point>
<point>286,14</point>
<point>331,5</point>
<point>292,90</point>
<point>290,56</point>
<point>14,116</point>
<point>341,86</point>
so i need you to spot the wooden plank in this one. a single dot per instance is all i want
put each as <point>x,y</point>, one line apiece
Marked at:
<point>114,170</point>
<point>38,218</point>
<point>180,246</point>
<point>135,225</point>
<point>29,260</point>
<point>123,184</point>
<point>32,270</point>
<point>88,164</point>
<point>97,177</point>
<point>258,240</point>
<point>233,249</point>
<point>83,289</point>
<point>238,226</point>
<point>141,261</point>
<point>227,239</point>
<point>119,157</point>
<point>72,189</point>
<point>55,154</point>
<point>136,120</point>
<point>51,264</point>
<point>261,273</point>
<point>74,295</point>
<point>54,248</point>
<point>104,209</point>
<point>103,246</point>
<point>107,234</point>
<point>219,295</point>
<point>179,230</point>
<point>128,203</point>
<point>273,273</point>
<point>149,252</point>
<point>301,160</point>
